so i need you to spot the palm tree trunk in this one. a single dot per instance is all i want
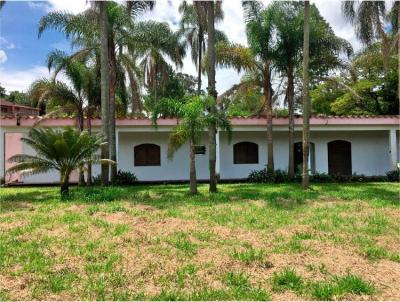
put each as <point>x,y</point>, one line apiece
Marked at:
<point>81,177</point>
<point>89,128</point>
<point>136,103</point>
<point>64,180</point>
<point>200,52</point>
<point>268,108</point>
<point>306,97</point>
<point>193,180</point>
<point>398,48</point>
<point>105,89</point>
<point>212,131</point>
<point>290,100</point>
<point>113,85</point>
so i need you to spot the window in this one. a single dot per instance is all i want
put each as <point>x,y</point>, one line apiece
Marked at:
<point>245,153</point>
<point>147,155</point>
<point>200,149</point>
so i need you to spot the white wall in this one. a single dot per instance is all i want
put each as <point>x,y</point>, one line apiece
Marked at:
<point>175,169</point>
<point>369,149</point>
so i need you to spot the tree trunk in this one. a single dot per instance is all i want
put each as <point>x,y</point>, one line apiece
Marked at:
<point>105,89</point>
<point>398,48</point>
<point>113,86</point>
<point>200,52</point>
<point>268,108</point>
<point>193,180</point>
<point>136,103</point>
<point>306,97</point>
<point>89,128</point>
<point>212,131</point>
<point>290,100</point>
<point>64,180</point>
<point>81,177</point>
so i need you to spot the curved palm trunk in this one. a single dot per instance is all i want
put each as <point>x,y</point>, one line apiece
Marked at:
<point>212,131</point>
<point>113,86</point>
<point>306,97</point>
<point>268,108</point>
<point>105,88</point>
<point>290,100</point>
<point>193,179</point>
<point>200,52</point>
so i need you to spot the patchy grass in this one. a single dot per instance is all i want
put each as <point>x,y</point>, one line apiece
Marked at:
<point>246,242</point>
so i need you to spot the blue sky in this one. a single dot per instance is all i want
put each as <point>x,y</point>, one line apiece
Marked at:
<point>23,55</point>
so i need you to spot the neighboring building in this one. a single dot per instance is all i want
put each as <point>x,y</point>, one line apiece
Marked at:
<point>366,145</point>
<point>10,108</point>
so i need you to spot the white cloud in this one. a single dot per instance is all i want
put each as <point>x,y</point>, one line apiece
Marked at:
<point>73,6</point>
<point>21,79</point>
<point>6,43</point>
<point>3,56</point>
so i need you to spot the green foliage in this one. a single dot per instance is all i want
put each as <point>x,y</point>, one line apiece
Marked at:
<point>280,176</point>
<point>393,175</point>
<point>286,280</point>
<point>63,150</point>
<point>249,255</point>
<point>125,178</point>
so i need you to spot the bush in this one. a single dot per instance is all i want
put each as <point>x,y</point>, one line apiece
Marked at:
<point>280,176</point>
<point>393,175</point>
<point>123,178</point>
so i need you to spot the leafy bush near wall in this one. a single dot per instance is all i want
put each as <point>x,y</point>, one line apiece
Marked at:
<point>123,178</point>
<point>280,176</point>
<point>393,175</point>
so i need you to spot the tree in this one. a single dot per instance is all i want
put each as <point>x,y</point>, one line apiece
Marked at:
<point>369,19</point>
<point>2,92</point>
<point>212,92</point>
<point>193,26</point>
<point>194,120</point>
<point>105,87</point>
<point>62,150</point>
<point>306,97</point>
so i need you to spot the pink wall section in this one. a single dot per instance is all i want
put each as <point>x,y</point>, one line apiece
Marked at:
<point>13,146</point>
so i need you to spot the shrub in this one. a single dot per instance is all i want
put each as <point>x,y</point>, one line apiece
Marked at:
<point>393,175</point>
<point>123,178</point>
<point>278,176</point>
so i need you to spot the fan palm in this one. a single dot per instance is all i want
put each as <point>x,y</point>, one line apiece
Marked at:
<point>62,150</point>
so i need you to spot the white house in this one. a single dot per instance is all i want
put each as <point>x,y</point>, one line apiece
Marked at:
<point>340,145</point>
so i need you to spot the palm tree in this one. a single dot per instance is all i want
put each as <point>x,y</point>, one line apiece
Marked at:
<point>105,87</point>
<point>128,39</point>
<point>369,19</point>
<point>212,92</point>
<point>306,96</point>
<point>62,150</point>
<point>193,26</point>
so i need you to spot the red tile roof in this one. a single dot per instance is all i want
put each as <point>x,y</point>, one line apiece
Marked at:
<point>10,120</point>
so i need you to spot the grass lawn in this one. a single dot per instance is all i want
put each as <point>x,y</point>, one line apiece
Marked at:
<point>247,242</point>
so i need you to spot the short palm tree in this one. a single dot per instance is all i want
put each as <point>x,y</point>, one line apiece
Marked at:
<point>62,150</point>
<point>194,121</point>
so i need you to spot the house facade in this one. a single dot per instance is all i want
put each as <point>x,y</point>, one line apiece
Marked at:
<point>339,145</point>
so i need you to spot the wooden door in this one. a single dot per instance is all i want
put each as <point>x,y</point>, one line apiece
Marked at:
<point>339,158</point>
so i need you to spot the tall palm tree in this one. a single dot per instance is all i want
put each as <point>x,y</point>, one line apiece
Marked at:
<point>212,92</point>
<point>369,19</point>
<point>193,26</point>
<point>147,41</point>
<point>105,87</point>
<point>306,96</point>
<point>62,150</point>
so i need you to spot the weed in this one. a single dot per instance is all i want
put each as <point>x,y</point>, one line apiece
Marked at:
<point>286,280</point>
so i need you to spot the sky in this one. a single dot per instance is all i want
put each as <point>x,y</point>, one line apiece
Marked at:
<point>23,54</point>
